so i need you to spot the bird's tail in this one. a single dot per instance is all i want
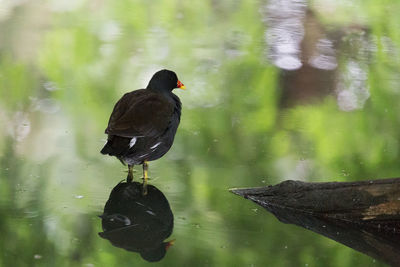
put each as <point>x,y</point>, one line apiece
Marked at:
<point>116,146</point>
<point>107,149</point>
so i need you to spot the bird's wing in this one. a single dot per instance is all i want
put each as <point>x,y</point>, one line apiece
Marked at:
<point>140,113</point>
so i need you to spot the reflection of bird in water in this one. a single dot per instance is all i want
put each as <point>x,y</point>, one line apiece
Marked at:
<point>136,222</point>
<point>143,123</point>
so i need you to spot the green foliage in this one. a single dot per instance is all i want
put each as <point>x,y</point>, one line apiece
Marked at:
<point>233,132</point>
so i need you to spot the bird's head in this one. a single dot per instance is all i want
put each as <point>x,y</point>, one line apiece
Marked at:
<point>157,253</point>
<point>165,80</point>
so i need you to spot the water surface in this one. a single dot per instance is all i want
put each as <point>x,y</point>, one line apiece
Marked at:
<point>276,90</point>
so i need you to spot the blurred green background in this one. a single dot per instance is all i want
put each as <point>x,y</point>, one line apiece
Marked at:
<point>276,90</point>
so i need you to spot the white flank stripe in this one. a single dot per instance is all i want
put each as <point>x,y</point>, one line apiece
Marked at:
<point>132,142</point>
<point>156,145</point>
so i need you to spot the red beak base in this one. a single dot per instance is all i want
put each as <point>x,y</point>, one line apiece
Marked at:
<point>180,85</point>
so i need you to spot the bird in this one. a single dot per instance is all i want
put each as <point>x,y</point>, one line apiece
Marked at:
<point>143,123</point>
<point>138,223</point>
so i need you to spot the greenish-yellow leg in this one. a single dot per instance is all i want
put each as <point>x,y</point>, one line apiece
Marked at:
<point>129,178</point>
<point>145,177</point>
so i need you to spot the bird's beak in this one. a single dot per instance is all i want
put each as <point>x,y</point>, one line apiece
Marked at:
<point>180,85</point>
<point>170,244</point>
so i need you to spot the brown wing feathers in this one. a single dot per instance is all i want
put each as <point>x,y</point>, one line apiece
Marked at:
<point>140,113</point>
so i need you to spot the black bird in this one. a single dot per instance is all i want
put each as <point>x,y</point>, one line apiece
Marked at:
<point>138,223</point>
<point>143,123</point>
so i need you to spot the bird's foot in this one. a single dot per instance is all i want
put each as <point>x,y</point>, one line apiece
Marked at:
<point>129,178</point>
<point>145,180</point>
<point>144,190</point>
<point>145,177</point>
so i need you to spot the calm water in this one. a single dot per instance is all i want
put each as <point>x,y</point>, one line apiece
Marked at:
<point>276,90</point>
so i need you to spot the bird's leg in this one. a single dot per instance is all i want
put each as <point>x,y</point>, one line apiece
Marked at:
<point>145,177</point>
<point>129,178</point>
